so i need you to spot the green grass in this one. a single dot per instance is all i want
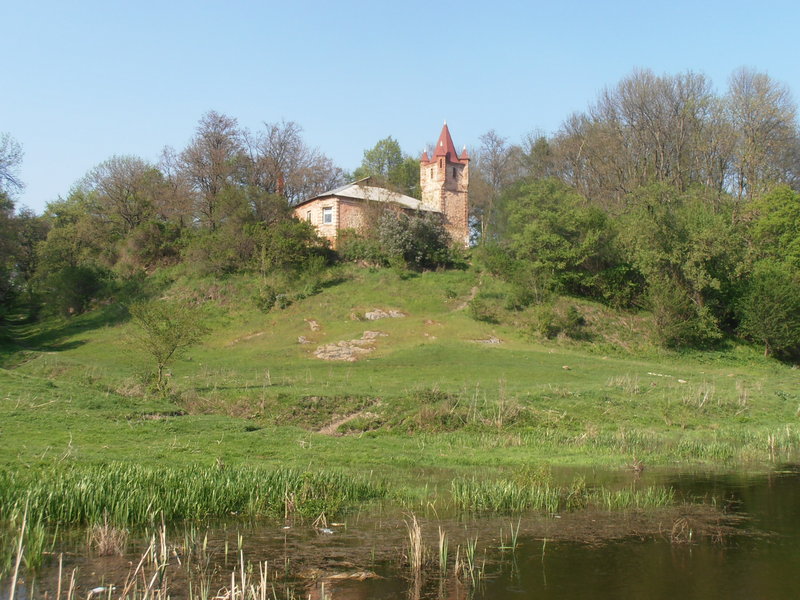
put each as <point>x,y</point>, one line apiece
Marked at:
<point>508,496</point>
<point>128,495</point>
<point>431,395</point>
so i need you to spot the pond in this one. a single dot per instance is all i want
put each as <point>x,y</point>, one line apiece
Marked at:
<point>740,541</point>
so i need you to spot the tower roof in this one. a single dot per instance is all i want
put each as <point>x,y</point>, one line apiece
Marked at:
<point>446,148</point>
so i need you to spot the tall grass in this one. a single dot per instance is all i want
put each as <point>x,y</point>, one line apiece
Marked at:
<point>515,496</point>
<point>128,495</point>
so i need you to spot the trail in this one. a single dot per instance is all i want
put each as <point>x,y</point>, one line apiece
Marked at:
<point>330,428</point>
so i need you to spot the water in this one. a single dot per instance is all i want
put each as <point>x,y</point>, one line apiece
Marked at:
<point>744,543</point>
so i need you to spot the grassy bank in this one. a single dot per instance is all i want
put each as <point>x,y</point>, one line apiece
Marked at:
<point>438,390</point>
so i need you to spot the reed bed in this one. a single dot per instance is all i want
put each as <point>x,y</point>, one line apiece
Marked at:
<point>128,495</point>
<point>508,496</point>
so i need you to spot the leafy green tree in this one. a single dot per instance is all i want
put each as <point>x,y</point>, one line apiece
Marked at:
<point>165,331</point>
<point>688,250</point>
<point>775,225</point>
<point>557,232</point>
<point>386,163</point>
<point>770,308</point>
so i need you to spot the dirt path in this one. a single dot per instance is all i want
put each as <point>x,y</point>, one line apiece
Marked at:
<point>330,428</point>
<point>472,293</point>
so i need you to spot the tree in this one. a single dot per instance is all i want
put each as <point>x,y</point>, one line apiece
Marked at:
<point>126,189</point>
<point>770,308</point>
<point>690,253</point>
<point>165,330</point>
<point>558,233</point>
<point>10,160</point>
<point>419,241</point>
<point>212,163</point>
<point>282,165</point>
<point>763,116</point>
<point>386,163</point>
<point>775,225</point>
<point>493,171</point>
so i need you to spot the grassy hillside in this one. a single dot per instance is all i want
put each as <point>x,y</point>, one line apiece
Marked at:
<point>436,388</point>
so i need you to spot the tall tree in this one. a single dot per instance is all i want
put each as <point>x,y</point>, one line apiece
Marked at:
<point>388,165</point>
<point>764,117</point>
<point>126,189</point>
<point>281,163</point>
<point>212,162</point>
<point>495,165</point>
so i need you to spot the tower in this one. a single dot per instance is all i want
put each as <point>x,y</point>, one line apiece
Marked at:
<point>444,180</point>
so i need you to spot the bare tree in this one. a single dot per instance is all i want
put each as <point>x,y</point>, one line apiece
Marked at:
<point>176,199</point>
<point>493,168</point>
<point>763,115</point>
<point>10,160</point>
<point>126,189</point>
<point>281,163</point>
<point>212,163</point>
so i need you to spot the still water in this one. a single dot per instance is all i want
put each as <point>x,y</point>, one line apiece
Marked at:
<point>744,542</point>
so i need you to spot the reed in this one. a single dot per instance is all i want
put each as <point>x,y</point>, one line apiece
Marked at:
<point>513,496</point>
<point>127,495</point>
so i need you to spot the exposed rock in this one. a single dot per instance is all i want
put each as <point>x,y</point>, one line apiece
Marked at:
<point>490,340</point>
<point>313,324</point>
<point>349,350</point>
<point>379,313</point>
<point>303,340</point>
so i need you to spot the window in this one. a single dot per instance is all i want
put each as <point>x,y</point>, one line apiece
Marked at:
<point>454,172</point>
<point>431,172</point>
<point>308,216</point>
<point>327,215</point>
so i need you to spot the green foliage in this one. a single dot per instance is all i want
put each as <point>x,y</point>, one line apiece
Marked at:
<point>678,321</point>
<point>352,247</point>
<point>483,308</point>
<point>420,241</point>
<point>770,308</point>
<point>387,165</point>
<point>151,244</point>
<point>165,330</point>
<point>556,231</point>
<point>70,290</point>
<point>265,299</point>
<point>775,226</point>
<point>549,321</point>
<point>690,254</point>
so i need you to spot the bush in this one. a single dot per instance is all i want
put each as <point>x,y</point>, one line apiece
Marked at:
<point>421,241</point>
<point>483,309</point>
<point>264,299</point>
<point>70,290</point>
<point>770,309</point>
<point>353,247</point>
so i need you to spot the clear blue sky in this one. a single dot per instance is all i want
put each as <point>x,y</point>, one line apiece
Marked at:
<point>84,80</point>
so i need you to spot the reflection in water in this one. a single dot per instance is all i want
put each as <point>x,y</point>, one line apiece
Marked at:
<point>742,543</point>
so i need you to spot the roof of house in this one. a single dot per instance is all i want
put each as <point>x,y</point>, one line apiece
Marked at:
<point>359,190</point>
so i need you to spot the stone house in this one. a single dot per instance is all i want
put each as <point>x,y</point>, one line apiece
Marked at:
<point>444,181</point>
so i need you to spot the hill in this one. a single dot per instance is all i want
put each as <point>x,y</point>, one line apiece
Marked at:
<point>378,369</point>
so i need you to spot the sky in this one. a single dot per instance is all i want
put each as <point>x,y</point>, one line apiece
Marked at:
<point>83,81</point>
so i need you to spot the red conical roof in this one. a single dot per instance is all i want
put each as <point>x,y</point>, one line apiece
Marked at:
<point>445,147</point>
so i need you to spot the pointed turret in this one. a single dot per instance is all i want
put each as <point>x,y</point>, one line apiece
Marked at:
<point>444,181</point>
<point>445,148</point>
